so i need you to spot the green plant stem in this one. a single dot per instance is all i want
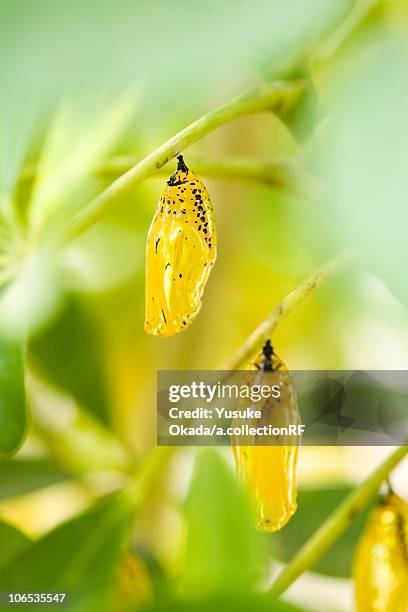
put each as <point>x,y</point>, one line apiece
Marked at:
<point>285,173</point>
<point>264,331</point>
<point>276,97</point>
<point>336,523</point>
<point>144,479</point>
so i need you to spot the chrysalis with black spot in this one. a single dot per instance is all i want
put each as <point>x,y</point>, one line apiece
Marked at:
<point>181,250</point>
<point>269,472</point>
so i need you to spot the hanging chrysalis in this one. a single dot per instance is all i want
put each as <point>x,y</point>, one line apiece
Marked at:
<point>269,472</point>
<point>181,250</point>
<point>380,566</point>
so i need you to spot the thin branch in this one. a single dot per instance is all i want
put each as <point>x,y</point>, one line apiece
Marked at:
<point>144,480</point>
<point>264,331</point>
<point>286,173</point>
<point>276,97</point>
<point>336,523</point>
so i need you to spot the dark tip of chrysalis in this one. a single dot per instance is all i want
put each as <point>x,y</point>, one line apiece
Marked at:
<point>267,350</point>
<point>181,167</point>
<point>181,164</point>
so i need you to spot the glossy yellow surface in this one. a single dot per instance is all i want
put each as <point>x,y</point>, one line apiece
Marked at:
<point>380,565</point>
<point>269,472</point>
<point>181,250</point>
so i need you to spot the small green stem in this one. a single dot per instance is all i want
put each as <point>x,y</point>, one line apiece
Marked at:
<point>264,331</point>
<point>277,97</point>
<point>144,479</point>
<point>286,173</point>
<point>336,523</point>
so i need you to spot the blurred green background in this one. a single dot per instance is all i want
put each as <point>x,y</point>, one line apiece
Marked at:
<point>84,81</point>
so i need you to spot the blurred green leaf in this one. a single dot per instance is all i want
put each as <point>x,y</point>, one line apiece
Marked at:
<point>16,125</point>
<point>33,296</point>
<point>367,156</point>
<point>221,545</point>
<point>314,506</point>
<point>12,543</point>
<point>289,55</point>
<point>82,132</point>
<point>117,47</point>
<point>243,603</point>
<point>81,444</point>
<point>21,476</point>
<point>79,557</point>
<point>94,267</point>
<point>13,406</point>
<point>69,351</point>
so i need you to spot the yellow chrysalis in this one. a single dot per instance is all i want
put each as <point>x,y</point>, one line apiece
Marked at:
<point>181,250</point>
<point>269,472</point>
<point>380,566</point>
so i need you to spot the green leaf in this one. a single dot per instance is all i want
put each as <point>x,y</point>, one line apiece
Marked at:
<point>223,603</point>
<point>82,444</point>
<point>21,476</point>
<point>120,49</point>
<point>82,132</point>
<point>221,545</point>
<point>314,506</point>
<point>12,543</point>
<point>13,406</point>
<point>367,154</point>
<point>16,125</point>
<point>34,295</point>
<point>79,557</point>
<point>69,352</point>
